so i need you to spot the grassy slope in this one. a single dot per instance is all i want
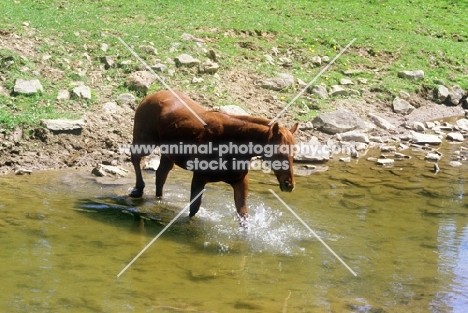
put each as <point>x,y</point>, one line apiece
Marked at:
<point>396,35</point>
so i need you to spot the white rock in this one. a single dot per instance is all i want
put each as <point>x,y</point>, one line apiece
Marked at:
<point>386,162</point>
<point>433,157</point>
<point>425,138</point>
<point>455,136</point>
<point>233,109</point>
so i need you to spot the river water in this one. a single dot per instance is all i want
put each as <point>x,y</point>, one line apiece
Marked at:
<point>65,236</point>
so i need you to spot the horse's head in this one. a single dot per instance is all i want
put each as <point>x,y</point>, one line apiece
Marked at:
<point>281,160</point>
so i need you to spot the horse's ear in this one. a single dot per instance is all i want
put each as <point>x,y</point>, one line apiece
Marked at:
<point>275,129</point>
<point>294,128</point>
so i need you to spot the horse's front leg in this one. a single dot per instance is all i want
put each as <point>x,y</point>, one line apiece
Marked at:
<point>198,183</point>
<point>241,191</point>
<point>137,191</point>
<point>165,166</point>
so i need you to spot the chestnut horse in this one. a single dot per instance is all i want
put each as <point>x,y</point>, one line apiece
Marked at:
<point>163,120</point>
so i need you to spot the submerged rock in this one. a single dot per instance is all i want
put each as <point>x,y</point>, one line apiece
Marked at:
<point>104,170</point>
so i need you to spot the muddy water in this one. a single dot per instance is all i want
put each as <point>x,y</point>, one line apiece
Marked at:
<point>65,236</point>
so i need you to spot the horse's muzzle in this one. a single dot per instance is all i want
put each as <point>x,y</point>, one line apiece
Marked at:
<point>286,186</point>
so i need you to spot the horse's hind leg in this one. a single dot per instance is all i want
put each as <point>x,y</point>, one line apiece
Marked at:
<point>165,166</point>
<point>137,191</point>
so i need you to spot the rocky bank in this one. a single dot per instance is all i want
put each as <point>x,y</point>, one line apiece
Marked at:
<point>357,122</point>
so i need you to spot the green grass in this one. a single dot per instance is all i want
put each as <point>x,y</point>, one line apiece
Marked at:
<point>391,36</point>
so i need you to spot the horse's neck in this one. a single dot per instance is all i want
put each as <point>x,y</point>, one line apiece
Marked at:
<point>251,131</point>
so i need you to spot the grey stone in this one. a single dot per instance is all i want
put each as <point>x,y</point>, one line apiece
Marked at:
<point>381,122</point>
<point>402,106</point>
<point>210,67</point>
<point>269,59</point>
<point>233,109</point>
<point>319,90</point>
<point>442,93</point>
<point>149,49</point>
<point>425,138</point>
<point>386,162</point>
<point>346,81</point>
<point>434,157</point>
<point>110,107</point>
<point>82,92</point>
<point>455,136</point>
<point>430,125</point>
<point>17,134</point>
<point>360,146</point>
<point>126,98</point>
<point>414,75</point>
<point>404,95</point>
<point>104,170</point>
<point>388,149</point>
<point>159,67</point>
<point>284,61</point>
<point>401,156</point>
<point>277,83</point>
<point>418,126</point>
<point>352,72</point>
<point>339,121</point>
<point>455,163</point>
<point>306,126</point>
<point>140,81</point>
<point>186,60</point>
<point>108,61</point>
<point>362,81</point>
<point>189,37</point>
<point>456,93</point>
<point>354,136</point>
<point>312,152</point>
<point>325,59</point>
<point>197,80</point>
<point>27,86</point>
<point>316,60</point>
<point>337,90</point>
<point>63,125</point>
<point>462,123</point>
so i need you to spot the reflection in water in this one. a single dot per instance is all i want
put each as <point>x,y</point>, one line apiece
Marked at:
<point>453,256</point>
<point>65,236</point>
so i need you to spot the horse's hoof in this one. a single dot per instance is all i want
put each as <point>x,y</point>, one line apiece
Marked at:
<point>243,221</point>
<point>136,193</point>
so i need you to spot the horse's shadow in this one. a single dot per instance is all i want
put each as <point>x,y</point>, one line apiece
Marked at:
<point>138,214</point>
<point>146,217</point>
